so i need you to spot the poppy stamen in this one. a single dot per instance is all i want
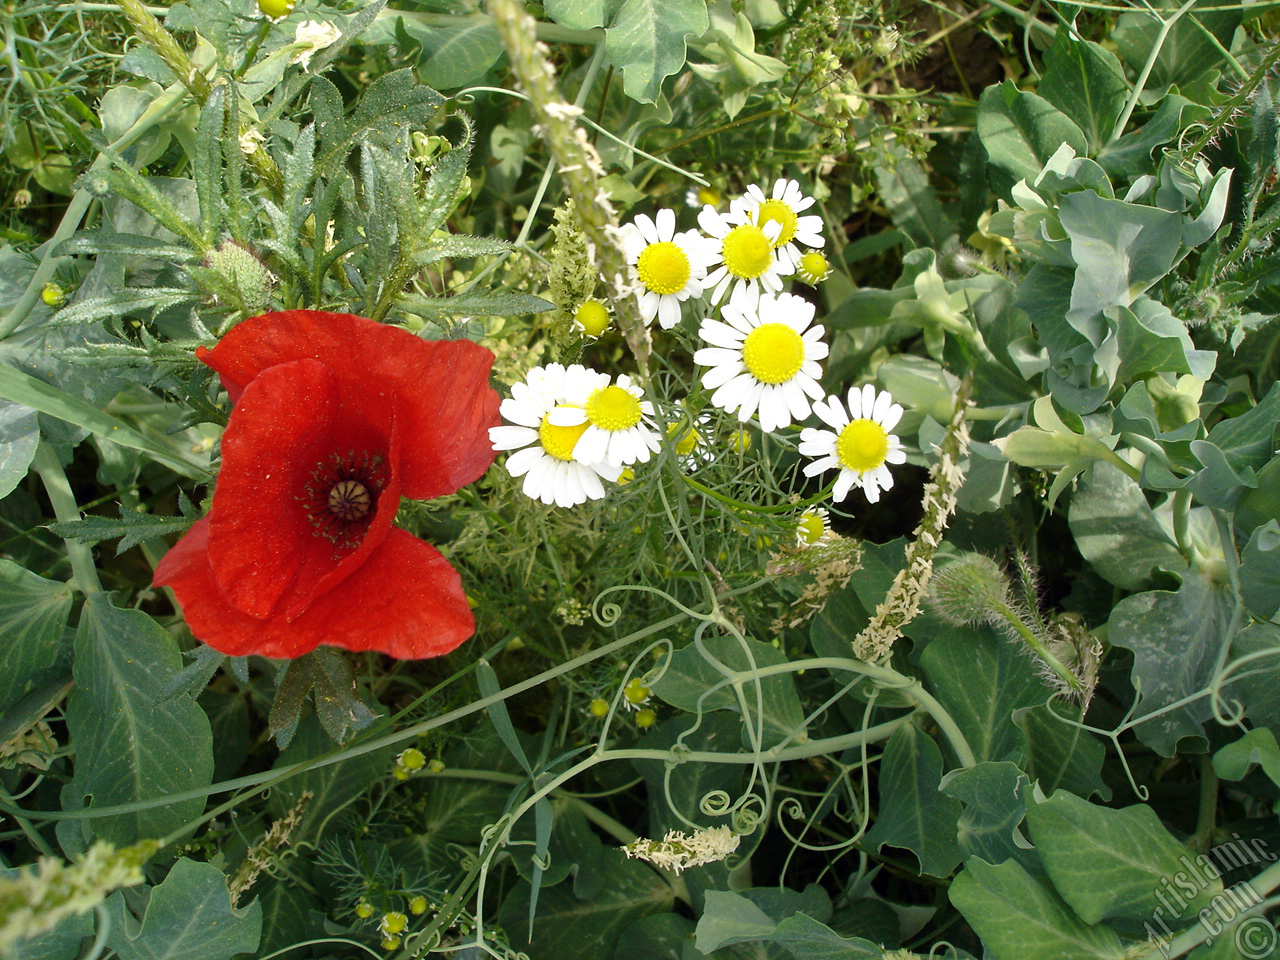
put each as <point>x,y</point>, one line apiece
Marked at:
<point>341,495</point>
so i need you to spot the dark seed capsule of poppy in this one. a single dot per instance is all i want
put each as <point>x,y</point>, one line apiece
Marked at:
<point>349,500</point>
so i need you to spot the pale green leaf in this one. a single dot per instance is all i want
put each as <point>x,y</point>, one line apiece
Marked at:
<point>33,616</point>
<point>647,42</point>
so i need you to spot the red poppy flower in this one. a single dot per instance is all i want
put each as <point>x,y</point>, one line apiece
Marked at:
<point>336,417</point>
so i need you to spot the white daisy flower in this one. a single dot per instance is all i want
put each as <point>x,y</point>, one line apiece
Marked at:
<point>544,450</point>
<point>861,444</point>
<point>813,525</point>
<point>616,432</point>
<point>763,356</point>
<point>783,207</point>
<point>744,251</point>
<point>670,266</point>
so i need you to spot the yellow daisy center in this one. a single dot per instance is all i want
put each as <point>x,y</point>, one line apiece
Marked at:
<point>663,267</point>
<point>592,317</point>
<point>709,195</point>
<point>747,251</point>
<point>813,267</point>
<point>782,215</point>
<point>862,445</point>
<point>560,441</point>
<point>810,527</point>
<point>613,408</point>
<point>773,352</point>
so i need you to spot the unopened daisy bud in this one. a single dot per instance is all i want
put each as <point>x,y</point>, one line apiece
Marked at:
<point>598,707</point>
<point>886,43</point>
<point>53,295</point>
<point>393,923</point>
<point>740,442</point>
<point>418,905</point>
<point>646,718</point>
<point>364,909</point>
<point>635,692</point>
<point>436,766</point>
<point>592,317</point>
<point>971,590</point>
<point>390,943</point>
<point>400,773</point>
<point>275,9</point>
<point>813,268</point>
<point>411,759</point>
<point>22,198</point>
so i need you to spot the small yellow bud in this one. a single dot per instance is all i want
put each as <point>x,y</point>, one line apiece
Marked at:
<point>598,707</point>
<point>418,905</point>
<point>626,476</point>
<point>275,9</point>
<point>390,943</point>
<point>813,268</point>
<point>436,766</point>
<point>400,773</point>
<point>53,295</point>
<point>393,923</point>
<point>646,718</point>
<point>635,691</point>
<point>364,909</point>
<point>411,759</point>
<point>592,317</point>
<point>22,199</point>
<point>740,441</point>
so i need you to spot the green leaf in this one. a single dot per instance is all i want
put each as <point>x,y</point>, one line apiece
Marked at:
<point>628,890</point>
<point>457,55</point>
<point>131,528</point>
<point>33,616</point>
<point>1253,683</point>
<point>130,746</point>
<point>981,684</point>
<point>63,942</point>
<point>495,303</point>
<point>125,245</point>
<point>188,917</point>
<point>647,42</point>
<point>993,809</point>
<point>19,437</point>
<point>582,14</point>
<point>661,936</point>
<point>391,106</point>
<point>1019,918</point>
<point>913,813</point>
<point>772,704</point>
<point>1193,47</point>
<point>1057,753</point>
<point>1086,82</point>
<point>730,918</point>
<point>1109,863</point>
<point>1249,439</point>
<point>1021,131</point>
<point>1130,157</point>
<point>25,389</point>
<point>1260,571</point>
<point>1257,747</point>
<point>143,302</point>
<point>1175,639</point>
<point>1117,532</point>
<point>913,204</point>
<point>1151,339</point>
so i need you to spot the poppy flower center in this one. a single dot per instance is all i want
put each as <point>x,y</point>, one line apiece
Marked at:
<point>747,251</point>
<point>773,353</point>
<point>862,445</point>
<point>340,497</point>
<point>781,214</point>
<point>663,268</point>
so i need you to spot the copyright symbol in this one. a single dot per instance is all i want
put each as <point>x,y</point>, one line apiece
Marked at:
<point>1255,938</point>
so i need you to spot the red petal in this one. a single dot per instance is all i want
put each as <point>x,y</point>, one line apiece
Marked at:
<point>265,551</point>
<point>439,389</point>
<point>406,600</point>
